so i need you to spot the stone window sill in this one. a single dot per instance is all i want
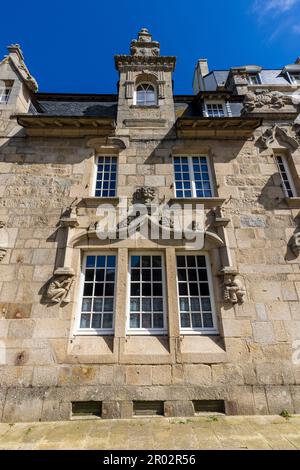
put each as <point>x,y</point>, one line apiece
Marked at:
<point>207,202</point>
<point>293,202</point>
<point>152,106</point>
<point>202,349</point>
<point>96,201</point>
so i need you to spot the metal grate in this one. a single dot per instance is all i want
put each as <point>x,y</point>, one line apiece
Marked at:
<point>86,408</point>
<point>148,408</point>
<point>209,406</point>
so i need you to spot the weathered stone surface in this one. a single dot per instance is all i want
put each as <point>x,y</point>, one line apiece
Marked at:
<point>47,205</point>
<point>138,375</point>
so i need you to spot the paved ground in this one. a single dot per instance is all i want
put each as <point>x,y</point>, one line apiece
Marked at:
<point>203,432</point>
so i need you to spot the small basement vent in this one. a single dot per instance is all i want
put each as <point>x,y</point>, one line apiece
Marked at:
<point>148,408</point>
<point>86,408</point>
<point>209,406</point>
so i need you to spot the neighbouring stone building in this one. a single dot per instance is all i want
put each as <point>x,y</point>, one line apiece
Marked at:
<point>123,326</point>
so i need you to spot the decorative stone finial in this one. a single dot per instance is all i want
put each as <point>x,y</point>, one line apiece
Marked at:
<point>144,45</point>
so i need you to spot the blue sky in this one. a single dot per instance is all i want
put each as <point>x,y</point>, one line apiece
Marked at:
<point>69,45</point>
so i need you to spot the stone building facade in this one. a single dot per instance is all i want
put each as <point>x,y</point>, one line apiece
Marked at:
<point>120,326</point>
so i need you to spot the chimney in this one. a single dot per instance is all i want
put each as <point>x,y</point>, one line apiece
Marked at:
<point>203,66</point>
<point>201,70</point>
<point>15,51</point>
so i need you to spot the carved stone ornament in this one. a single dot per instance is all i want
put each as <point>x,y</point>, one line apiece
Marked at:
<point>3,252</point>
<point>282,134</point>
<point>144,195</point>
<point>234,290</point>
<point>295,243</point>
<point>3,240</point>
<point>258,99</point>
<point>59,286</point>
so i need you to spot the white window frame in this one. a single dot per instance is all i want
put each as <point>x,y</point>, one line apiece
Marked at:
<point>217,102</point>
<point>95,173</point>
<point>293,80</point>
<point>5,92</point>
<point>192,177</point>
<point>144,331</point>
<point>199,331</point>
<point>135,95</point>
<point>254,74</point>
<point>288,174</point>
<point>94,331</point>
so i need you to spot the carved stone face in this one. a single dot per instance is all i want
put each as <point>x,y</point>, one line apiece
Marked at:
<point>145,194</point>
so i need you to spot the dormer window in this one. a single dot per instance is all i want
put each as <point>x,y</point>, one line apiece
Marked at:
<point>295,78</point>
<point>145,95</point>
<point>5,90</point>
<point>214,109</point>
<point>254,79</point>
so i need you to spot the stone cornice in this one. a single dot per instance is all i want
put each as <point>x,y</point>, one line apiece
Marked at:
<point>216,127</point>
<point>132,62</point>
<point>66,125</point>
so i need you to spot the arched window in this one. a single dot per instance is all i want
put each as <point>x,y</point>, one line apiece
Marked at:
<point>145,95</point>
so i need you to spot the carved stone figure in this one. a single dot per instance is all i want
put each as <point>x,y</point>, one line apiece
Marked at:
<point>234,290</point>
<point>263,99</point>
<point>144,195</point>
<point>295,243</point>
<point>60,285</point>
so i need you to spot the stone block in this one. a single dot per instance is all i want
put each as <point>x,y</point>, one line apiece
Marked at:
<point>138,375</point>
<point>263,332</point>
<point>268,374</point>
<point>260,400</point>
<point>155,180</point>
<point>23,405</point>
<point>161,375</point>
<point>279,399</point>
<point>111,410</point>
<point>45,376</point>
<point>21,328</point>
<point>237,328</point>
<point>226,374</point>
<point>197,374</point>
<point>178,408</point>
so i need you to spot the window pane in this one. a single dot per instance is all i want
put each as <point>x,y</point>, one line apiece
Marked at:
<point>285,178</point>
<point>106,176</point>
<point>98,296</point>
<point>146,292</point>
<point>194,295</point>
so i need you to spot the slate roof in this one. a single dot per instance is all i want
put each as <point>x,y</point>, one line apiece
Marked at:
<point>216,78</point>
<point>75,105</point>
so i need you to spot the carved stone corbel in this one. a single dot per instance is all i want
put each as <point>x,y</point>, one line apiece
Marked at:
<point>233,287</point>
<point>58,290</point>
